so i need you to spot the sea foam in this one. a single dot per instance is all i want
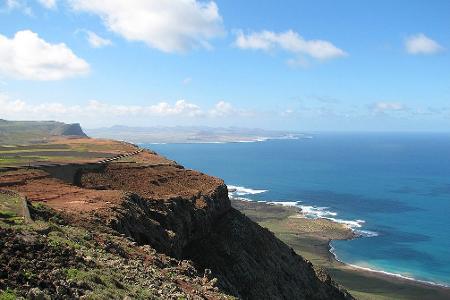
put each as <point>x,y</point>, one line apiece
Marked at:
<point>307,211</point>
<point>242,191</point>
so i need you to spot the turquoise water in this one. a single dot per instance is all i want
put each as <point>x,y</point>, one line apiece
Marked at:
<point>393,189</point>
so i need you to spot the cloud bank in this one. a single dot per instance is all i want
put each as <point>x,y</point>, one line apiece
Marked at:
<point>169,26</point>
<point>98,110</point>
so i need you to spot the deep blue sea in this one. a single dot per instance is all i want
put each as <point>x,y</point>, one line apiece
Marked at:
<point>394,189</point>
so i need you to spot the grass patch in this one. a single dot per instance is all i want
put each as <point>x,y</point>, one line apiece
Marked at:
<point>4,214</point>
<point>57,239</point>
<point>11,209</point>
<point>21,160</point>
<point>103,284</point>
<point>7,295</point>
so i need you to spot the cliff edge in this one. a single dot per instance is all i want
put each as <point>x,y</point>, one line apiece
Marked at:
<point>184,216</point>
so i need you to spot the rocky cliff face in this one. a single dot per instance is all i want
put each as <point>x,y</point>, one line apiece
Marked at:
<point>188,215</point>
<point>166,207</point>
<point>169,226</point>
<point>251,263</point>
<point>68,130</point>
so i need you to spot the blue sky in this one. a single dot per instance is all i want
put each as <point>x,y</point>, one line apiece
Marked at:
<point>303,65</point>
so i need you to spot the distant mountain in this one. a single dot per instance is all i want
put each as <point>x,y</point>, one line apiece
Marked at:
<point>193,134</point>
<point>25,132</point>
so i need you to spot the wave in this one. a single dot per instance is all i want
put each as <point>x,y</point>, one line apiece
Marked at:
<point>397,275</point>
<point>285,203</point>
<point>365,233</point>
<point>234,191</point>
<point>307,211</point>
<point>321,212</point>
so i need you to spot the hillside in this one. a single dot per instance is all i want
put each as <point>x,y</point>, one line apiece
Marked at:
<point>28,143</point>
<point>144,227</point>
<point>28,132</point>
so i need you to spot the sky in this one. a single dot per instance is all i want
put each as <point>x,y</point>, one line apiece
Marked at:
<point>298,65</point>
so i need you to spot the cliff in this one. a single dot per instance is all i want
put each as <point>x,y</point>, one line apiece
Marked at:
<point>184,216</point>
<point>25,132</point>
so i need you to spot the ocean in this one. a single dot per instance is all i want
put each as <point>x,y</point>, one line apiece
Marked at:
<point>392,189</point>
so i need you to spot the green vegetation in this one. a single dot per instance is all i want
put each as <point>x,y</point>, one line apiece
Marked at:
<point>10,209</point>
<point>7,295</point>
<point>21,160</point>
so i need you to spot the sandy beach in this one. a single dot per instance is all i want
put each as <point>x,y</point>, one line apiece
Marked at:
<point>311,239</point>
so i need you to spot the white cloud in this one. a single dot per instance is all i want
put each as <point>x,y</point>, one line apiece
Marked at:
<point>421,44</point>
<point>27,56</point>
<point>97,41</point>
<point>289,41</point>
<point>181,107</point>
<point>170,26</point>
<point>20,5</point>
<point>13,4</point>
<point>382,107</point>
<point>222,109</point>
<point>49,4</point>
<point>187,80</point>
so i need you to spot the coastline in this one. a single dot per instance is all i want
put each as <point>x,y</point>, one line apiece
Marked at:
<point>385,273</point>
<point>227,140</point>
<point>312,239</point>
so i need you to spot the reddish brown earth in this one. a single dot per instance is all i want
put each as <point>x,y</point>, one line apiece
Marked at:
<point>182,213</point>
<point>39,186</point>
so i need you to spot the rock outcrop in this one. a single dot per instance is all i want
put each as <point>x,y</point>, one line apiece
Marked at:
<point>68,130</point>
<point>31,132</point>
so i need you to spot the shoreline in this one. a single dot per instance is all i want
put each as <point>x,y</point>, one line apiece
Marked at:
<point>385,273</point>
<point>356,234</point>
<point>312,239</point>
